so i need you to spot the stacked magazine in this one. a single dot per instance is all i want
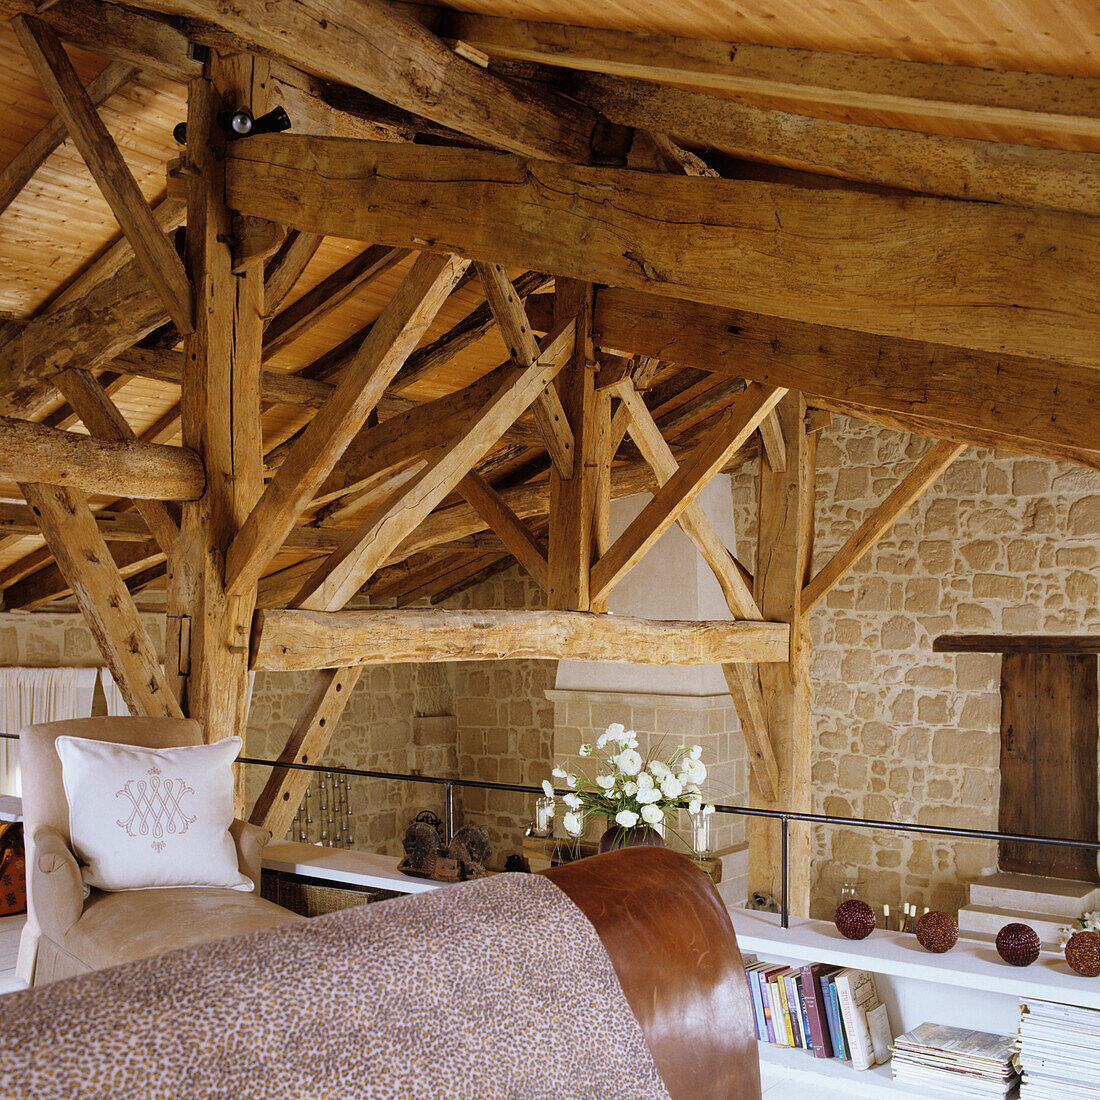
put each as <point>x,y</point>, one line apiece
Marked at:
<point>957,1060</point>
<point>1059,1051</point>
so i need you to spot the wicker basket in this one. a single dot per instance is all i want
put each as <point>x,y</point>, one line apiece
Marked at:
<point>314,897</point>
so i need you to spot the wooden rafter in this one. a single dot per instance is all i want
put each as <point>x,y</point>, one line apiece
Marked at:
<point>507,307</point>
<point>919,94</point>
<point>143,471</point>
<point>151,246</point>
<point>881,519</point>
<point>516,535</point>
<point>393,336</point>
<point>286,267</point>
<point>370,545</point>
<point>288,640</point>
<point>80,552</point>
<point>680,490</point>
<point>857,250</point>
<point>367,45</point>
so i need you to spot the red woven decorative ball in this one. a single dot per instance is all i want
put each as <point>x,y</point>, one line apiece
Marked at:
<point>1083,953</point>
<point>937,932</point>
<point>854,919</point>
<point>1018,944</point>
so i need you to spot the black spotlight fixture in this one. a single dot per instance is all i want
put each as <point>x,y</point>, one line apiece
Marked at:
<point>240,123</point>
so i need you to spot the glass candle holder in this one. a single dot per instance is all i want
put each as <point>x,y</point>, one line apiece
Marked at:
<point>700,833</point>
<point>544,816</point>
<point>582,824</point>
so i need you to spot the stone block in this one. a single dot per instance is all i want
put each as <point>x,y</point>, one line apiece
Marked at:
<point>997,586</point>
<point>899,632</point>
<point>978,748</point>
<point>936,555</point>
<point>1031,478</point>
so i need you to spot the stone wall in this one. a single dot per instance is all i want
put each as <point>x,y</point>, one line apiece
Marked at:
<point>999,544</point>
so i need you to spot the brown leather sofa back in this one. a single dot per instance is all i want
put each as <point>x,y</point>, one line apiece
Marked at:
<point>674,949</point>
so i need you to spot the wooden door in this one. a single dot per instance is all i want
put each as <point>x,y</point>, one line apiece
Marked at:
<point>1048,761</point>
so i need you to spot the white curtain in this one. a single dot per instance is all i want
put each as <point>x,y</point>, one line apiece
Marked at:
<point>116,705</point>
<point>38,695</point>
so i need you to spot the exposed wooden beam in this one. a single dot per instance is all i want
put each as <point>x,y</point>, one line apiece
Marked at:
<point>142,471</point>
<point>369,546</point>
<point>507,307</point>
<point>87,332</point>
<point>517,536</point>
<point>102,418</point>
<point>859,543</point>
<point>957,167</point>
<point>293,640</point>
<point>775,446</point>
<point>19,170</point>
<point>152,248</point>
<point>397,331</point>
<point>82,556</point>
<point>330,293</point>
<point>286,267</point>
<point>920,94</point>
<point>150,44</point>
<point>366,44</point>
<point>1057,405</point>
<point>680,490</point>
<point>784,548</point>
<point>896,265</point>
<point>282,793</point>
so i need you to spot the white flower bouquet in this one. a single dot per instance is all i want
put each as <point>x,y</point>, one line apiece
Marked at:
<point>631,792</point>
<point>1089,922</point>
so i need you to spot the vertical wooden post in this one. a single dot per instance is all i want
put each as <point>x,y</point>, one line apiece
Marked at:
<point>783,558</point>
<point>569,549</point>
<point>207,636</point>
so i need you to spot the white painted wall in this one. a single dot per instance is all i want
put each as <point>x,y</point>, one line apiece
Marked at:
<point>671,582</point>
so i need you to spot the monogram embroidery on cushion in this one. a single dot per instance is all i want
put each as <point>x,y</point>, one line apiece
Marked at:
<point>155,807</point>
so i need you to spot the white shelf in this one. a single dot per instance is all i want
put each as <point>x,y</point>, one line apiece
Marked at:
<point>11,808</point>
<point>972,966</point>
<point>800,1068</point>
<point>342,865</point>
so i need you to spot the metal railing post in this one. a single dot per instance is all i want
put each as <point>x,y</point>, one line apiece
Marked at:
<point>784,908</point>
<point>450,811</point>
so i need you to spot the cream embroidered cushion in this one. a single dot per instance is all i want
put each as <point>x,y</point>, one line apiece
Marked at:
<point>152,818</point>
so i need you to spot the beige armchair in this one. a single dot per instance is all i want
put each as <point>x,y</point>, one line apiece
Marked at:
<point>67,934</point>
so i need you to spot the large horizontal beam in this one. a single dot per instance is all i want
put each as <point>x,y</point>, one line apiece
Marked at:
<point>368,45</point>
<point>1032,405</point>
<point>141,471</point>
<point>897,265</point>
<point>285,641</point>
<point>920,95</point>
<point>939,164</point>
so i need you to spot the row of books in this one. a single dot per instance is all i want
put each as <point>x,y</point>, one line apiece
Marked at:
<point>1059,1051</point>
<point>830,1011</point>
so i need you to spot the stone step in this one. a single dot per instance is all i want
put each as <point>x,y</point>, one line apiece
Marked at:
<point>978,918</point>
<point>1057,897</point>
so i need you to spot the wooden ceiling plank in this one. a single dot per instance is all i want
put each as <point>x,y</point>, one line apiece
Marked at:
<point>516,535</point>
<point>1054,404</point>
<point>892,264</point>
<point>1057,107</point>
<point>371,543</point>
<point>962,168</point>
<point>329,294</point>
<point>33,155</point>
<point>367,44</point>
<point>108,608</point>
<point>286,267</point>
<point>116,32</point>
<point>397,331</point>
<point>507,308</point>
<point>102,418</point>
<point>142,471</point>
<point>881,519</point>
<point>734,428</point>
<point>298,639</point>
<point>151,246</point>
